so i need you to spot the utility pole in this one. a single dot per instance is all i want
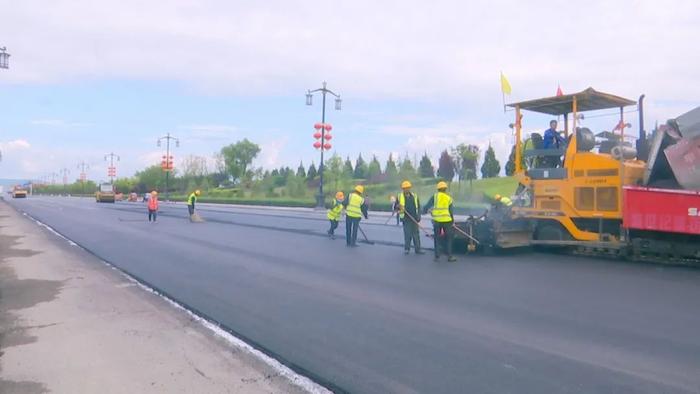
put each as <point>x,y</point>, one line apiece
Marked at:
<point>82,166</point>
<point>111,171</point>
<point>64,172</point>
<point>167,163</point>
<point>323,145</point>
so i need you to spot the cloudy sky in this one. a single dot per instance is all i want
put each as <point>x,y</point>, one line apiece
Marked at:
<point>90,77</point>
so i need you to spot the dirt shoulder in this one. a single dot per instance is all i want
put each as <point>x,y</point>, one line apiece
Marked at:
<point>71,324</point>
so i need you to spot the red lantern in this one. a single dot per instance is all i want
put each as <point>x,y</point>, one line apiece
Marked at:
<point>317,145</point>
<point>327,146</point>
<point>328,127</point>
<point>318,126</point>
<point>327,137</point>
<point>317,135</point>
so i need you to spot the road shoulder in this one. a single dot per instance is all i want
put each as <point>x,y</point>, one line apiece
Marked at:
<point>71,324</point>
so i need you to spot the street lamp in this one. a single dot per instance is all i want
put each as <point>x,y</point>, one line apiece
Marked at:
<point>323,127</point>
<point>112,171</point>
<point>82,166</point>
<point>4,58</point>
<point>167,163</point>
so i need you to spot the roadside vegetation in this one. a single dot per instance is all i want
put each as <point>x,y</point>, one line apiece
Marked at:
<point>233,179</point>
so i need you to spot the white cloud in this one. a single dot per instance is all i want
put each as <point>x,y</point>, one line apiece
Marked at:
<point>270,153</point>
<point>365,48</point>
<point>14,145</point>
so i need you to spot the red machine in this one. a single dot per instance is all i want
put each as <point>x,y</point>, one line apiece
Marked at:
<point>662,210</point>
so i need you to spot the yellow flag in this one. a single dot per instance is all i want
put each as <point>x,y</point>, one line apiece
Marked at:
<point>505,85</point>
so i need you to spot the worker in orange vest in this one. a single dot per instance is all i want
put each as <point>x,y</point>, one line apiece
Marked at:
<point>153,206</point>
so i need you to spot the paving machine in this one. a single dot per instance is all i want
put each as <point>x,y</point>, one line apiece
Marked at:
<point>600,194</point>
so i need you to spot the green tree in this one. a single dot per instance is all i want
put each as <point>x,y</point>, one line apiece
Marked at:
<point>491,167</point>
<point>237,158</point>
<point>406,170</point>
<point>360,168</point>
<point>446,167</point>
<point>392,173</point>
<point>150,178</point>
<point>301,172</point>
<point>426,167</point>
<point>334,174</point>
<point>466,158</point>
<point>311,173</point>
<point>348,170</point>
<point>374,170</point>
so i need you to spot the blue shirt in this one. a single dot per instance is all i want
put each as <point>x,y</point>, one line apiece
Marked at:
<point>552,139</point>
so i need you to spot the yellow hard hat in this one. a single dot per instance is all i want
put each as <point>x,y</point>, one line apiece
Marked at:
<point>154,193</point>
<point>406,185</point>
<point>497,197</point>
<point>197,192</point>
<point>360,189</point>
<point>340,196</point>
<point>442,185</point>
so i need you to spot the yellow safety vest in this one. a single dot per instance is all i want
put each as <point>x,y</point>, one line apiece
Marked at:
<point>441,207</point>
<point>353,209</point>
<point>334,213</point>
<point>506,201</point>
<point>402,203</point>
<point>192,199</point>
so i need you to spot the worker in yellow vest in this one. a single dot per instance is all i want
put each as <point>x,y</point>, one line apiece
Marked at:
<point>355,208</point>
<point>335,213</point>
<point>192,201</point>
<point>505,201</point>
<point>409,212</point>
<point>443,220</point>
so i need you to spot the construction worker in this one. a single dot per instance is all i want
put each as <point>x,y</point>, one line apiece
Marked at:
<point>335,213</point>
<point>505,201</point>
<point>443,220</point>
<point>153,206</point>
<point>409,212</point>
<point>355,208</point>
<point>191,200</point>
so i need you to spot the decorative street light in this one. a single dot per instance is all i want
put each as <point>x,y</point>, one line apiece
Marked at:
<point>322,131</point>
<point>4,58</point>
<point>167,163</point>
<point>82,166</point>
<point>112,170</point>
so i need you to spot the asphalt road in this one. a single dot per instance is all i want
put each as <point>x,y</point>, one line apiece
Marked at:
<point>371,320</point>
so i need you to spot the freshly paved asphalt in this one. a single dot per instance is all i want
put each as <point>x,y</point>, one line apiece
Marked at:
<point>371,320</point>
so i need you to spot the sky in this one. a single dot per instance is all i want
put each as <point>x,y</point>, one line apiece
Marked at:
<point>87,78</point>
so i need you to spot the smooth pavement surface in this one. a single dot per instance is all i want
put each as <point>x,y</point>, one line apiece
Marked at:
<point>371,320</point>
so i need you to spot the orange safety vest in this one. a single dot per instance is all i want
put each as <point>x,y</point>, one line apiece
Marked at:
<point>153,203</point>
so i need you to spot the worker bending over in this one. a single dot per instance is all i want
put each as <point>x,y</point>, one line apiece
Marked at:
<point>409,212</point>
<point>443,220</point>
<point>355,208</point>
<point>153,206</point>
<point>191,201</point>
<point>503,200</point>
<point>335,213</point>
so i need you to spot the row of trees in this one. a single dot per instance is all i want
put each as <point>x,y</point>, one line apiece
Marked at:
<point>232,167</point>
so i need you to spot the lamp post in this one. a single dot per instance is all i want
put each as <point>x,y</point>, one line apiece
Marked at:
<point>111,171</point>
<point>167,163</point>
<point>4,63</point>
<point>82,166</point>
<point>64,172</point>
<point>323,145</point>
<point>4,58</point>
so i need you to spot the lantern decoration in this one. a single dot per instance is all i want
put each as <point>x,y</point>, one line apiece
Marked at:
<point>317,135</point>
<point>111,171</point>
<point>327,137</point>
<point>328,127</point>
<point>327,146</point>
<point>318,126</point>
<point>167,163</point>
<point>317,145</point>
